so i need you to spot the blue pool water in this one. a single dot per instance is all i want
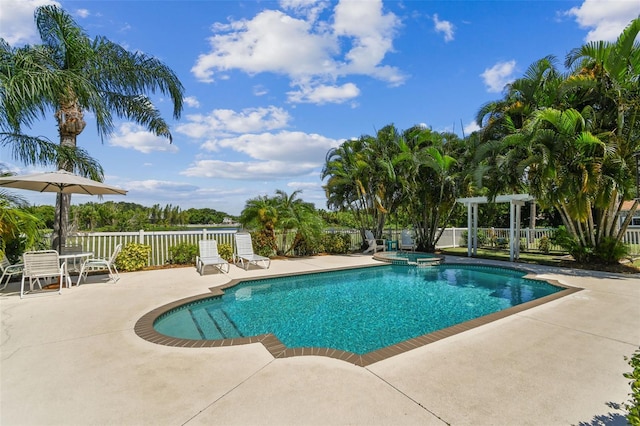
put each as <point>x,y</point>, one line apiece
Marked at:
<point>357,310</point>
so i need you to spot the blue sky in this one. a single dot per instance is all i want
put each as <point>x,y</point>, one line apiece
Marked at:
<point>271,86</point>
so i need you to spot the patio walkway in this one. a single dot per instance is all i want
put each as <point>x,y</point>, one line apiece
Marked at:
<point>74,359</point>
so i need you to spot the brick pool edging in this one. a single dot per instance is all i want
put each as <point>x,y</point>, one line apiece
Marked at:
<point>145,330</point>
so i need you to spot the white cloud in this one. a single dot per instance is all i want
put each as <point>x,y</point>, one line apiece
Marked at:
<point>370,31</point>
<point>82,13</point>
<point>322,94</point>
<point>606,19</point>
<point>16,20</point>
<point>444,27</point>
<point>260,90</point>
<point>133,136</point>
<point>471,127</point>
<point>311,186</point>
<point>498,76</point>
<point>159,186</point>
<point>308,8</point>
<point>192,101</point>
<point>271,42</point>
<point>305,49</point>
<point>294,147</point>
<point>253,170</point>
<point>222,122</point>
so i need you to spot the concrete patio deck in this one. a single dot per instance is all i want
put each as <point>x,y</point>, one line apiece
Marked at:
<point>74,359</point>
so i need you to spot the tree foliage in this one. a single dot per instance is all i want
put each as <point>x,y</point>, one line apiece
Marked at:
<point>70,73</point>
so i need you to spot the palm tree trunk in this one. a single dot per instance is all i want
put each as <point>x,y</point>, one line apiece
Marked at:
<point>627,221</point>
<point>70,124</point>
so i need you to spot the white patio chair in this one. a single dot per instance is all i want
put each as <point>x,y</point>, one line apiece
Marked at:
<point>374,245</point>
<point>41,265</point>
<point>406,241</point>
<point>8,271</point>
<point>95,264</point>
<point>244,252</point>
<point>209,256</point>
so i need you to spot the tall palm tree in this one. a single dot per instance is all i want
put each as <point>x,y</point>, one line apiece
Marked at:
<point>347,188</point>
<point>606,78</point>
<point>432,182</point>
<point>77,74</point>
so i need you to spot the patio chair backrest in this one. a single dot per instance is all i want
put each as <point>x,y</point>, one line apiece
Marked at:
<point>5,263</point>
<point>407,239</point>
<point>44,263</point>
<point>115,253</point>
<point>208,248</point>
<point>244,245</point>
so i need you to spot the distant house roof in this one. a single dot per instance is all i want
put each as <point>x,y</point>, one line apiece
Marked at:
<point>626,206</point>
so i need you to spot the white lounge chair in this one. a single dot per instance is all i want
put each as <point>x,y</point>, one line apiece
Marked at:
<point>41,265</point>
<point>209,256</point>
<point>406,241</point>
<point>244,252</point>
<point>8,271</point>
<point>374,245</point>
<point>93,264</point>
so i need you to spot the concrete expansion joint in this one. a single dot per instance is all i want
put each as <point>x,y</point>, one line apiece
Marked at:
<point>395,388</point>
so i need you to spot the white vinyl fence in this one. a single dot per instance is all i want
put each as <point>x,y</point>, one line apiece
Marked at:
<point>103,243</point>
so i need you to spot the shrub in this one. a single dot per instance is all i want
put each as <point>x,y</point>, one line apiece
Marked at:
<point>225,251</point>
<point>335,243</point>
<point>183,254</point>
<point>304,247</point>
<point>633,406</point>
<point>263,243</point>
<point>483,239</point>
<point>544,244</point>
<point>133,257</point>
<point>610,251</point>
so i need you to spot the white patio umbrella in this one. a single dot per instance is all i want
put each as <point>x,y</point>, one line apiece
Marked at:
<point>63,182</point>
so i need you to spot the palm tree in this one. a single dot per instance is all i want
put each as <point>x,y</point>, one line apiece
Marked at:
<point>347,187</point>
<point>20,105</point>
<point>363,178</point>
<point>76,74</point>
<point>261,212</point>
<point>432,181</point>
<point>606,77</point>
<point>15,222</point>
<point>295,214</point>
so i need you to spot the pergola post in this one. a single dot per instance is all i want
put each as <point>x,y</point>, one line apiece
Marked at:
<point>475,229</point>
<point>514,229</point>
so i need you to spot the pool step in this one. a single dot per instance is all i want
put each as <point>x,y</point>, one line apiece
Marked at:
<point>225,324</point>
<point>214,324</point>
<point>205,324</point>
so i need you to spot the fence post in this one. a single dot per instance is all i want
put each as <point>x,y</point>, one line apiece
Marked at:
<point>141,236</point>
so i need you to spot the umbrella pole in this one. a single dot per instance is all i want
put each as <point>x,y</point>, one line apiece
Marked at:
<point>60,209</point>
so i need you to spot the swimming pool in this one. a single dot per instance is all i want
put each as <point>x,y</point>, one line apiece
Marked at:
<point>357,311</point>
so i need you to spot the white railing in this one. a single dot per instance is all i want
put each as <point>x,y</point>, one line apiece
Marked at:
<point>103,243</point>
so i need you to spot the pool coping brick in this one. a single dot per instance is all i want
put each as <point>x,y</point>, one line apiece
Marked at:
<point>145,330</point>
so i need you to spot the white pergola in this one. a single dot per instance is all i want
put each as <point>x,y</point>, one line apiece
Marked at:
<point>516,202</point>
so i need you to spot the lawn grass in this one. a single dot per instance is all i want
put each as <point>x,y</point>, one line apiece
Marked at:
<point>546,259</point>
